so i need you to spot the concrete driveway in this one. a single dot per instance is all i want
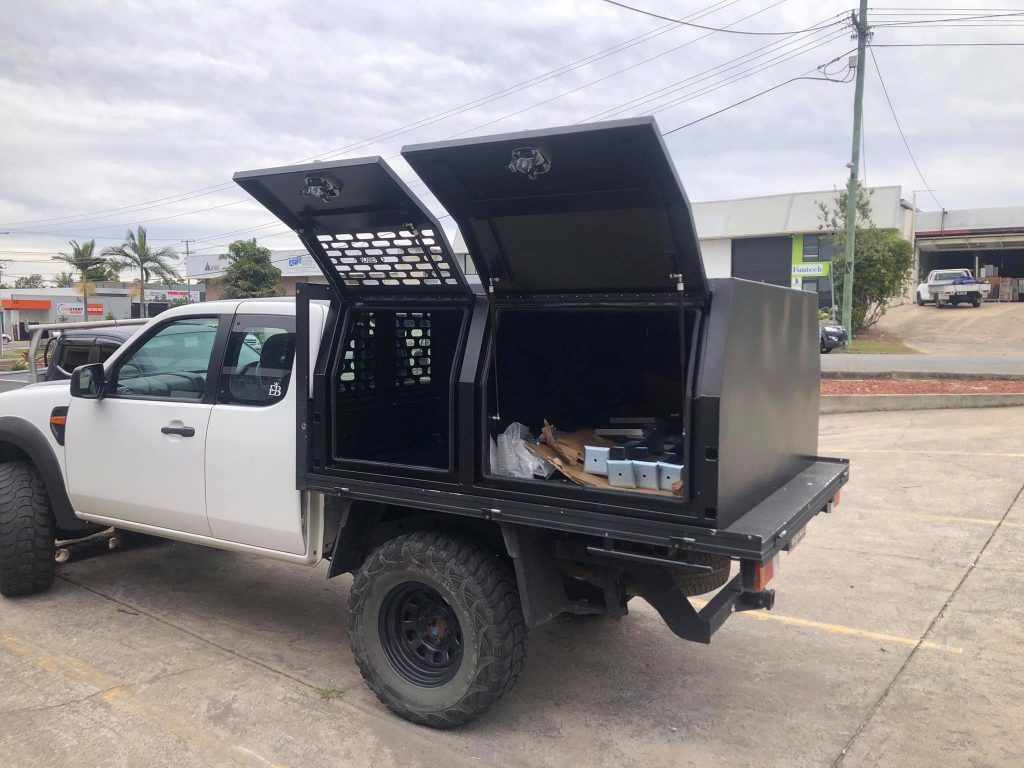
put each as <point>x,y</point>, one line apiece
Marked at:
<point>896,641</point>
<point>995,329</point>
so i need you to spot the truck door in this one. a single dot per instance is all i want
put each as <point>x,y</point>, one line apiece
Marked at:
<point>250,452</point>
<point>138,454</point>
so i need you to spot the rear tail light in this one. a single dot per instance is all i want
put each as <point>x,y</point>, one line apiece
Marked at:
<point>763,573</point>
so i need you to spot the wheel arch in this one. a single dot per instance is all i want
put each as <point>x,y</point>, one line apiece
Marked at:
<point>22,440</point>
<point>365,525</point>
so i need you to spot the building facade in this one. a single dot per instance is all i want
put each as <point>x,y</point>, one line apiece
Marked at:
<point>23,307</point>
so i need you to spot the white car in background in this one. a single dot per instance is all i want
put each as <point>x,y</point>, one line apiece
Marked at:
<point>949,287</point>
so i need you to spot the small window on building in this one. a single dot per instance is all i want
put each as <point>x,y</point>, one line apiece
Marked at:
<point>811,245</point>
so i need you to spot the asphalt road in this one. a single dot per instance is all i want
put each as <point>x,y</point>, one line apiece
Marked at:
<point>895,641</point>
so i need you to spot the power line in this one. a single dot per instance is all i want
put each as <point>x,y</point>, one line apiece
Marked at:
<point>761,67</point>
<point>892,109</point>
<point>749,98</point>
<point>422,122</point>
<point>942,45</point>
<point>701,26</point>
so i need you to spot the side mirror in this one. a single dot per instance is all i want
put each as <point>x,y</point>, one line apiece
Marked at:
<point>88,381</point>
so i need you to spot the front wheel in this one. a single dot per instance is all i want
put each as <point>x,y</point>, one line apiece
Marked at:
<point>975,303</point>
<point>27,531</point>
<point>436,628</point>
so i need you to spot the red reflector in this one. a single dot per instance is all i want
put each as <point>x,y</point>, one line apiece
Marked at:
<point>835,501</point>
<point>763,573</point>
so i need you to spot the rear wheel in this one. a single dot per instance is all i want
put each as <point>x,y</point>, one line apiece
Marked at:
<point>27,531</point>
<point>436,628</point>
<point>975,303</point>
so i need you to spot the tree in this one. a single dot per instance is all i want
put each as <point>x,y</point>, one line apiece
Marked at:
<point>82,258</point>
<point>882,259</point>
<point>63,280</point>
<point>29,281</point>
<point>103,273</point>
<point>250,274</point>
<point>135,253</point>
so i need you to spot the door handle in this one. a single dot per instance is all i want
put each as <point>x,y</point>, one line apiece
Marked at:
<point>183,431</point>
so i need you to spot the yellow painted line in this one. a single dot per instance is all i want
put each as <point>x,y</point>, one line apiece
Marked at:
<point>841,451</point>
<point>113,694</point>
<point>840,629</point>
<point>64,666</point>
<point>116,693</point>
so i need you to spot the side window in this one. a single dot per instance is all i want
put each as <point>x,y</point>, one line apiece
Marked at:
<point>258,361</point>
<point>171,364</point>
<point>105,349</point>
<point>74,354</point>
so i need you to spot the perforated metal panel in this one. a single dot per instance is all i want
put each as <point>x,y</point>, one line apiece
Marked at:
<point>358,378</point>
<point>389,258</point>
<point>412,350</point>
<point>367,231</point>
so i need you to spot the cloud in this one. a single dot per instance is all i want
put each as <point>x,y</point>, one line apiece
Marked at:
<point>110,105</point>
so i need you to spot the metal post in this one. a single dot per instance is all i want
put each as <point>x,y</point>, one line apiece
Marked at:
<point>188,286</point>
<point>3,316</point>
<point>853,186</point>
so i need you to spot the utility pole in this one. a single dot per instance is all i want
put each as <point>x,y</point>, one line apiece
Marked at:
<point>188,287</point>
<point>4,264</point>
<point>860,22</point>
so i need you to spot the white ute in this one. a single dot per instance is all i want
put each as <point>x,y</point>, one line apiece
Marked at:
<point>176,432</point>
<point>946,287</point>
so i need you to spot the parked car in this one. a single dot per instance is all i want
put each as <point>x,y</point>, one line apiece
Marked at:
<point>950,287</point>
<point>371,428</point>
<point>6,337</point>
<point>67,350</point>
<point>832,336</point>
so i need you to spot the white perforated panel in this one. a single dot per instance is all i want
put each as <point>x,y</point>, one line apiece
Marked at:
<point>389,258</point>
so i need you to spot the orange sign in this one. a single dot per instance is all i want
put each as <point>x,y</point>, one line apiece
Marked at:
<point>27,304</point>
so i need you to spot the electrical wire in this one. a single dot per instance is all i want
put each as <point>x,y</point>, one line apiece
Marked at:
<point>414,125</point>
<point>701,26</point>
<point>899,127</point>
<point>707,74</point>
<point>943,45</point>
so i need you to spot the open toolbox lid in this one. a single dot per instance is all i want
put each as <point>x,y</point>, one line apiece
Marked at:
<point>367,231</point>
<point>577,210</point>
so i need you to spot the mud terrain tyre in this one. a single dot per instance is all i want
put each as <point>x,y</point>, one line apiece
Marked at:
<point>27,531</point>
<point>436,628</point>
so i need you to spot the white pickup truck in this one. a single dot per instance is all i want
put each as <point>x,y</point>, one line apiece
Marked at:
<point>354,423</point>
<point>949,287</point>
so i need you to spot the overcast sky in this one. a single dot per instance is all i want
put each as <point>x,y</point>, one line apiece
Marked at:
<point>110,105</point>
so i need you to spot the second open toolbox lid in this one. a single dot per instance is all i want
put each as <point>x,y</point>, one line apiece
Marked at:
<point>577,210</point>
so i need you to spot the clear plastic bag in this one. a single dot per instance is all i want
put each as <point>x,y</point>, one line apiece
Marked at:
<point>510,456</point>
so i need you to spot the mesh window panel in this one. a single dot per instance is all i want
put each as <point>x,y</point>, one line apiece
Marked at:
<point>389,258</point>
<point>358,372</point>
<point>412,350</point>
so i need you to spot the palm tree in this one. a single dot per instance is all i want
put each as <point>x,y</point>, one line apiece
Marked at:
<point>135,253</point>
<point>82,258</point>
<point>63,280</point>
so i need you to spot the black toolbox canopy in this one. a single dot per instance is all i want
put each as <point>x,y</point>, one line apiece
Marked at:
<point>367,231</point>
<point>577,210</point>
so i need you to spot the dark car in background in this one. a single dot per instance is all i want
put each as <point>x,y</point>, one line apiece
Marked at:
<point>832,335</point>
<point>73,348</point>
